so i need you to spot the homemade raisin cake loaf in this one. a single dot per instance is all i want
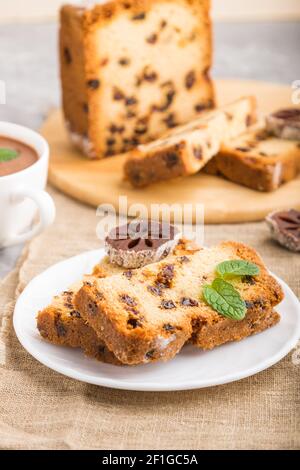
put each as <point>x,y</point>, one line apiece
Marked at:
<point>150,315</point>
<point>187,148</point>
<point>132,69</point>
<point>258,160</point>
<point>60,323</point>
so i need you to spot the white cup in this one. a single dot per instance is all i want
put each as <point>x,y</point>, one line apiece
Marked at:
<point>22,194</point>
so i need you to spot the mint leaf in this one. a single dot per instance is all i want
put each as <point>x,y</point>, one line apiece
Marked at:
<point>237,267</point>
<point>7,154</point>
<point>225,299</point>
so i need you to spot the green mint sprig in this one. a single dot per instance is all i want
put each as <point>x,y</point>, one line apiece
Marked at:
<point>6,155</point>
<point>223,296</point>
<point>225,299</point>
<point>237,267</point>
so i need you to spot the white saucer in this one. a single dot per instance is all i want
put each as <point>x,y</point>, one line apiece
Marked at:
<point>190,369</point>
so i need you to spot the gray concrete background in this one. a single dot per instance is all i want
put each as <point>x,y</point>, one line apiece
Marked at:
<point>28,65</point>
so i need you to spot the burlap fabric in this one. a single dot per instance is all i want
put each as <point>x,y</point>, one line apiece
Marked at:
<point>41,409</point>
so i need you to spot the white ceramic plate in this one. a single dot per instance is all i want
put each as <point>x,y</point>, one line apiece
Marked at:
<point>190,369</point>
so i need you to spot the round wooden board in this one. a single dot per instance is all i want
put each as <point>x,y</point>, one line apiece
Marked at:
<point>97,182</point>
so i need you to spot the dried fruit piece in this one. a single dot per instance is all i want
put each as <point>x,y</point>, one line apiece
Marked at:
<point>187,302</point>
<point>75,314</point>
<point>150,354</point>
<point>128,300</point>
<point>93,84</point>
<point>167,304</point>
<point>249,280</point>
<point>93,308</point>
<point>114,129</point>
<point>139,16</point>
<point>198,152</point>
<point>169,97</point>
<point>152,38</point>
<point>118,95</point>
<point>124,61</point>
<point>166,275</point>
<point>67,55</point>
<point>184,259</point>
<point>133,323</point>
<point>171,159</point>
<point>155,290</point>
<point>128,274</point>
<point>60,327</point>
<point>170,121</point>
<point>190,79</point>
<point>169,327</point>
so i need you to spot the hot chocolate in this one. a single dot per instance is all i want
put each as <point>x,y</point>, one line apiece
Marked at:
<point>15,156</point>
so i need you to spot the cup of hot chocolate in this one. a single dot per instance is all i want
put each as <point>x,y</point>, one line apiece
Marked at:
<point>24,158</point>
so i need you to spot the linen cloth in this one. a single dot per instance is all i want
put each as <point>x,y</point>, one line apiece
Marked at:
<point>41,409</point>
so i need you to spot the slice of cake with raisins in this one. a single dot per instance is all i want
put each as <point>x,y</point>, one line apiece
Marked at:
<point>187,148</point>
<point>131,70</point>
<point>258,160</point>
<point>152,314</point>
<point>60,323</point>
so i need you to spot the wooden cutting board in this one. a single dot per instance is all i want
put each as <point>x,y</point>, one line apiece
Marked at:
<point>96,182</point>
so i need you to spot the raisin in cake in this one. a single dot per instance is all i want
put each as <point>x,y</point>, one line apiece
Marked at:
<point>257,160</point>
<point>152,314</point>
<point>187,148</point>
<point>132,69</point>
<point>60,323</point>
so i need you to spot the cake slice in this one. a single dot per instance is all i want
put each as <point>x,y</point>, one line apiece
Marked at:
<point>61,323</point>
<point>186,149</point>
<point>257,160</point>
<point>131,70</point>
<point>153,313</point>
